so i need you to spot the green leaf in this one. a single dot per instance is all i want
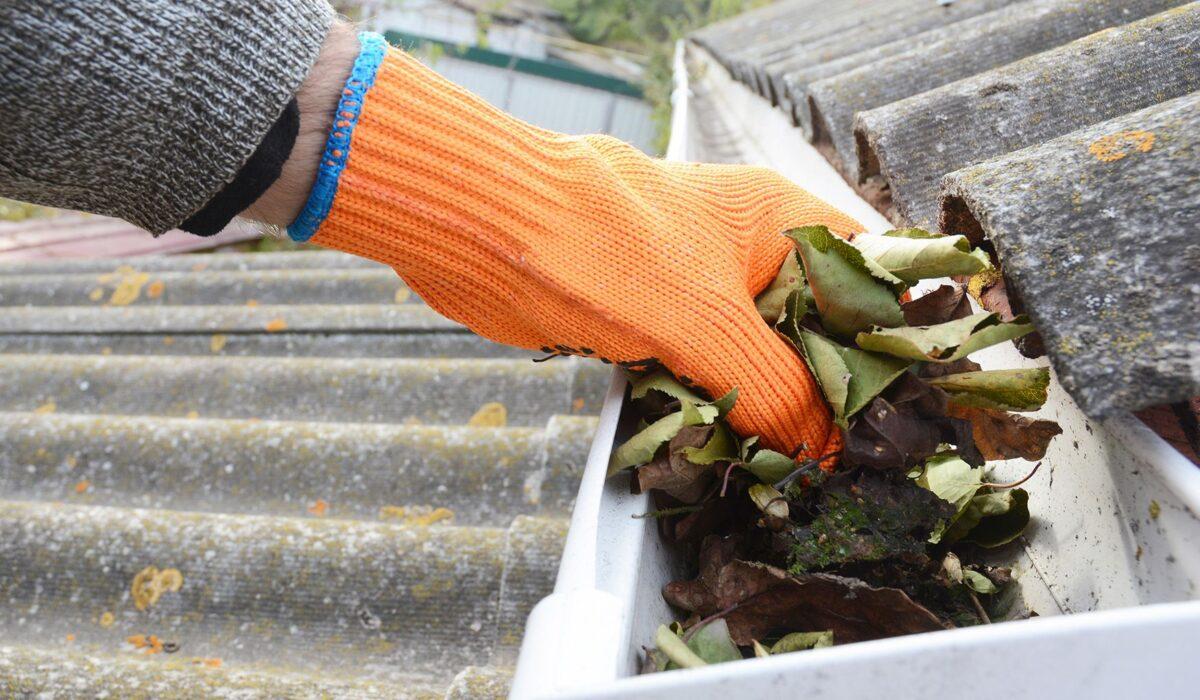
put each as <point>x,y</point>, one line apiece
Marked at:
<point>769,500</point>
<point>914,254</point>
<point>794,310</point>
<point>945,342</point>
<point>801,641</point>
<point>978,582</point>
<point>851,292</point>
<point>849,378</point>
<point>1001,389</point>
<point>952,480</point>
<point>678,652</point>
<point>771,467</point>
<point>725,404</point>
<point>721,447</point>
<point>744,450</point>
<point>664,383</point>
<point>713,645</point>
<point>1005,515</point>
<point>640,448</point>
<point>770,303</point>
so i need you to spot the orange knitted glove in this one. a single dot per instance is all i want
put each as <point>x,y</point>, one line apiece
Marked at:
<point>573,244</point>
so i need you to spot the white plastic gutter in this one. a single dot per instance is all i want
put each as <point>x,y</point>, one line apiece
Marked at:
<point>1115,542</point>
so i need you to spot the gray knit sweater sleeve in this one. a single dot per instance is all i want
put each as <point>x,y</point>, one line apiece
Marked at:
<point>144,109</point>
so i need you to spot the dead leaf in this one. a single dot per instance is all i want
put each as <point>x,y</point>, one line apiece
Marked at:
<point>1001,435</point>
<point>946,303</point>
<point>217,342</point>
<point>673,473</point>
<point>768,600</point>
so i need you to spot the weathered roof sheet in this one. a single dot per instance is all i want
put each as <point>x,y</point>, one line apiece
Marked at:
<point>949,53</point>
<point>898,112</point>
<point>915,141</point>
<point>1104,250</point>
<point>282,429</point>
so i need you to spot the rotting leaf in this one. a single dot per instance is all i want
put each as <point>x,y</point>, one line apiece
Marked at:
<point>765,599</point>
<point>945,342</point>
<point>1000,389</point>
<point>673,473</point>
<point>886,436</point>
<point>1001,435</point>
<point>946,303</point>
<point>802,641</point>
<point>848,377</point>
<point>916,254</point>
<point>851,293</point>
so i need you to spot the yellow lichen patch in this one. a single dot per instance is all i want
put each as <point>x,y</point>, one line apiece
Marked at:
<point>150,583</point>
<point>577,405</point>
<point>392,512</point>
<point>96,294</point>
<point>70,637</point>
<point>155,290</point>
<point>72,461</point>
<point>149,643</point>
<point>193,415</point>
<point>402,295</point>
<point>129,288</point>
<point>105,350</point>
<point>211,663</point>
<point>490,415</point>
<point>200,267</point>
<point>1155,510</point>
<point>252,303</point>
<point>83,486</point>
<point>168,340</point>
<point>1114,147</point>
<point>48,407</point>
<point>420,516</point>
<point>275,325</point>
<point>318,508</point>
<point>980,281</point>
<point>217,342</point>
<point>107,619</point>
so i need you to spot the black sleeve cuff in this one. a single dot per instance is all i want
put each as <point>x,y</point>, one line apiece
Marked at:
<point>259,173</point>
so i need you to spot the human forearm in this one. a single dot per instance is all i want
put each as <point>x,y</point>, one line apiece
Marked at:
<point>144,110</point>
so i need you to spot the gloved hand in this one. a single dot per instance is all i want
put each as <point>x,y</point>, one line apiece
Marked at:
<point>571,244</point>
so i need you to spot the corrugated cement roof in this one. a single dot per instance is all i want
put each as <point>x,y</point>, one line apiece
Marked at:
<point>352,496</point>
<point>1020,124</point>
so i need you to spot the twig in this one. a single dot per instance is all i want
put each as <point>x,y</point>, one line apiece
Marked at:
<point>665,512</point>
<point>799,471</point>
<point>979,608</point>
<point>725,482</point>
<point>715,616</point>
<point>1013,484</point>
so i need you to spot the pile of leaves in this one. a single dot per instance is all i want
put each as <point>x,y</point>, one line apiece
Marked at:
<point>890,535</point>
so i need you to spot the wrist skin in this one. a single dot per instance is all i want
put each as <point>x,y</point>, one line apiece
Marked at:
<point>317,99</point>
